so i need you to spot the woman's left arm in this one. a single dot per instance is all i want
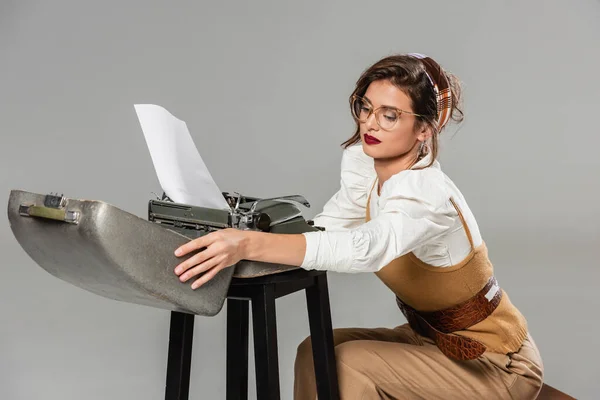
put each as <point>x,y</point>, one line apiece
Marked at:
<point>227,247</point>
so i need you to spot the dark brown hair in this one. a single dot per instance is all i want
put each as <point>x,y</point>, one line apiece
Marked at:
<point>408,74</point>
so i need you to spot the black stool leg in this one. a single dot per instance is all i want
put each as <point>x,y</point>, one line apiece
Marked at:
<point>237,349</point>
<point>264,326</point>
<point>321,331</point>
<point>181,334</point>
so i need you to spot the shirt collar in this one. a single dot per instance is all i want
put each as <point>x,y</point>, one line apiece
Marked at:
<point>424,161</point>
<point>419,164</point>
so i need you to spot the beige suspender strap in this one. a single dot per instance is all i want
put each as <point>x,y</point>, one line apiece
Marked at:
<point>462,218</point>
<point>368,216</point>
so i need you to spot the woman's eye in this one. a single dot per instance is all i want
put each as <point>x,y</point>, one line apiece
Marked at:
<point>390,116</point>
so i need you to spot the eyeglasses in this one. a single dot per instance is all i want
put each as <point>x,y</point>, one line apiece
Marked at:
<point>386,116</point>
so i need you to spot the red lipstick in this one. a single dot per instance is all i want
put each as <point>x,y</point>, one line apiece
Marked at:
<point>370,139</point>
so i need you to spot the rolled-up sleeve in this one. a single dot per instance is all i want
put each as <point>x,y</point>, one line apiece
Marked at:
<point>414,209</point>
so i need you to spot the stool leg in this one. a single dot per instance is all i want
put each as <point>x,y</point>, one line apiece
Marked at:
<point>237,349</point>
<point>321,331</point>
<point>264,326</point>
<point>181,334</point>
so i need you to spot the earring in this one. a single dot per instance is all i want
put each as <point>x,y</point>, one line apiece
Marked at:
<point>423,148</point>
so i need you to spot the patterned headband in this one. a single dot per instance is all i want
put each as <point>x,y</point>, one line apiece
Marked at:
<point>441,87</point>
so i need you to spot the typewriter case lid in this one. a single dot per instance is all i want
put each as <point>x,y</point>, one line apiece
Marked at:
<point>110,252</point>
<point>117,255</point>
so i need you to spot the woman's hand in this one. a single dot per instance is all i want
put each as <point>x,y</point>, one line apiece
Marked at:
<point>223,248</point>
<point>226,247</point>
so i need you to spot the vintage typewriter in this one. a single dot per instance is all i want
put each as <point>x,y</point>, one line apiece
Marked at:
<point>110,252</point>
<point>275,215</point>
<point>267,215</point>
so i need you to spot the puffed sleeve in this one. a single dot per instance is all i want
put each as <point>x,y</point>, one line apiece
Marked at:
<point>414,209</point>
<point>347,207</point>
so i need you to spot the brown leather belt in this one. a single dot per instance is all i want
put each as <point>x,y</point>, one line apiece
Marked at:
<point>438,325</point>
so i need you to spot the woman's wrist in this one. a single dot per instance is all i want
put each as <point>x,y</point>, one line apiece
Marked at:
<point>275,248</point>
<point>251,245</point>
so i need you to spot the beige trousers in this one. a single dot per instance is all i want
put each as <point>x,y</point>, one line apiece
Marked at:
<point>397,363</point>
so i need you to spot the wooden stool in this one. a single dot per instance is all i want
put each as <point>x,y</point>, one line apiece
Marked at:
<point>262,292</point>
<point>549,393</point>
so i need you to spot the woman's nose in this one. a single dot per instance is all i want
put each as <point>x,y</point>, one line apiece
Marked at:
<point>371,123</point>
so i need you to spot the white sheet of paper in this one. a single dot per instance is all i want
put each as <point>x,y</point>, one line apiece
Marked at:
<point>181,172</point>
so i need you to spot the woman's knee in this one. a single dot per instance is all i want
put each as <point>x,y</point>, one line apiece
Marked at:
<point>304,351</point>
<point>352,354</point>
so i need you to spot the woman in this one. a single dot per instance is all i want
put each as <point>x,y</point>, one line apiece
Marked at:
<point>399,216</point>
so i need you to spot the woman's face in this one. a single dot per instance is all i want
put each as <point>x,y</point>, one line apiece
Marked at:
<point>402,139</point>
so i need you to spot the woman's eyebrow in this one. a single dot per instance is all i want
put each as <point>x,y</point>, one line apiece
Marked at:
<point>383,105</point>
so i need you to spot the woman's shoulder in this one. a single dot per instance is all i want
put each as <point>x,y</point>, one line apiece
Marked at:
<point>354,158</point>
<point>357,169</point>
<point>428,185</point>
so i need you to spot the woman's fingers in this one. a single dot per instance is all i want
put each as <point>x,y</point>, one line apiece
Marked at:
<point>221,250</point>
<point>196,259</point>
<point>207,276</point>
<point>200,268</point>
<point>198,243</point>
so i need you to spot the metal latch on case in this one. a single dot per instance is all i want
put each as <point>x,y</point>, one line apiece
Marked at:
<point>53,208</point>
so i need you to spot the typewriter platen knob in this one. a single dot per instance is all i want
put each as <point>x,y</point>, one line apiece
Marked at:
<point>255,221</point>
<point>263,222</point>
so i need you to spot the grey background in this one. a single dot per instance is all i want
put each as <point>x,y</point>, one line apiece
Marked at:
<point>263,87</point>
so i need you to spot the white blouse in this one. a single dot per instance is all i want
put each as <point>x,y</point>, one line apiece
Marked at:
<point>413,213</point>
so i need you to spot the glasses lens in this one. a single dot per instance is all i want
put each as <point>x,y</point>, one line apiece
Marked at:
<point>387,118</point>
<point>360,109</point>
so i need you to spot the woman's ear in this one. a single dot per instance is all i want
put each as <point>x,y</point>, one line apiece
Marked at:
<point>424,133</point>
